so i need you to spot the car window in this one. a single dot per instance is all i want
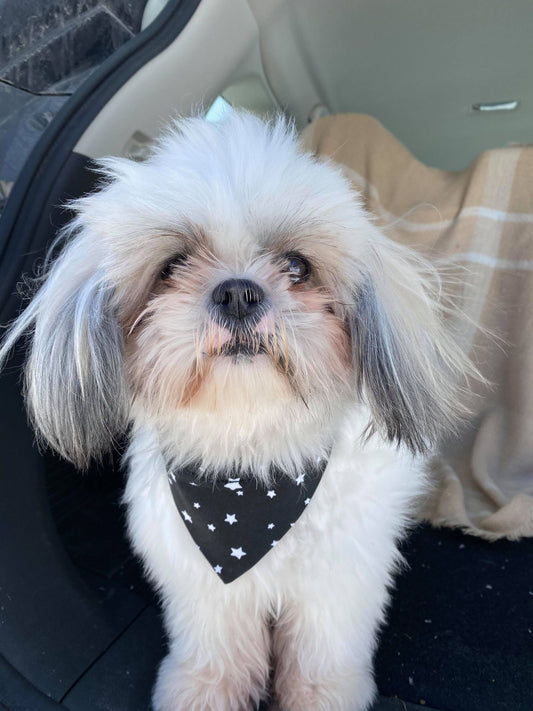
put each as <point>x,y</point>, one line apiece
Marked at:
<point>47,50</point>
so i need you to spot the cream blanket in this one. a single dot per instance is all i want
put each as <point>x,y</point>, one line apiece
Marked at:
<point>481,220</point>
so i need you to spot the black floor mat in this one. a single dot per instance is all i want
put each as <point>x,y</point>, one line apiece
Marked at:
<point>460,629</point>
<point>92,525</point>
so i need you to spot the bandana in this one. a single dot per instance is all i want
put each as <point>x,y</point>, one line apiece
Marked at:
<point>237,520</point>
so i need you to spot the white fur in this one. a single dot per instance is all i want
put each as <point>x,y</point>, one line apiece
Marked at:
<point>356,361</point>
<point>323,587</point>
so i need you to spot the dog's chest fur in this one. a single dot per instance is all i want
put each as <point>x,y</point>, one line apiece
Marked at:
<point>362,499</point>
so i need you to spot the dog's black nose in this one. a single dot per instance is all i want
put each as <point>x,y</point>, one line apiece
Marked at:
<point>238,299</point>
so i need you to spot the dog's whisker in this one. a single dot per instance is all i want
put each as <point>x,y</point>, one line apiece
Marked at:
<point>285,345</point>
<point>138,320</point>
<point>198,340</point>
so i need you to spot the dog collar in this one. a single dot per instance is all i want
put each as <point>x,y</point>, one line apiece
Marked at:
<point>235,521</point>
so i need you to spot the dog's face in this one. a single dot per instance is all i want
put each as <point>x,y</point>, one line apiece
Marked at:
<point>241,341</point>
<point>236,291</point>
<point>234,281</point>
<point>236,335</point>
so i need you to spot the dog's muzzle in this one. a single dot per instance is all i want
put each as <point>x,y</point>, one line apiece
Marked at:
<point>238,303</point>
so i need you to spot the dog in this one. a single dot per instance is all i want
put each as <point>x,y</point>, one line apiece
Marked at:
<point>282,370</point>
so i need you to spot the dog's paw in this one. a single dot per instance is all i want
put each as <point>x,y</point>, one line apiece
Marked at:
<point>180,688</point>
<point>353,692</point>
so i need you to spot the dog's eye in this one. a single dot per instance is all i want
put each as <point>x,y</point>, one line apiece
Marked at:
<point>297,268</point>
<point>176,261</point>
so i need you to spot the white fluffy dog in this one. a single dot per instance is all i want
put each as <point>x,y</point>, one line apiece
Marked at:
<point>230,301</point>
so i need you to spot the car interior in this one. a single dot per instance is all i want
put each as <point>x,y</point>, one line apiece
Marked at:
<point>80,626</point>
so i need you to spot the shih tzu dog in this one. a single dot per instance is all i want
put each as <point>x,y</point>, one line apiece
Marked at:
<point>282,368</point>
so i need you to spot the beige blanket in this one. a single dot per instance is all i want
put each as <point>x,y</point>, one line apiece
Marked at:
<point>481,220</point>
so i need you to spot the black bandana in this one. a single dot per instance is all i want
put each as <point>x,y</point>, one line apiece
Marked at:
<point>237,520</point>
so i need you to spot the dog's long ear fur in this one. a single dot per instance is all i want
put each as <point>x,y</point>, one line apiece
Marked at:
<point>408,364</point>
<point>75,386</point>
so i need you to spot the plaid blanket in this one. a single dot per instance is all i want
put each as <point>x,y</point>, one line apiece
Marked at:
<point>479,221</point>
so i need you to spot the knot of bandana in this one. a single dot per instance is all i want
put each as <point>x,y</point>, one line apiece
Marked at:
<point>235,521</point>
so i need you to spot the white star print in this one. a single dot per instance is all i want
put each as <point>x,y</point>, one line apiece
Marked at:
<point>211,527</point>
<point>218,569</point>
<point>186,516</point>
<point>307,501</point>
<point>273,544</point>
<point>196,505</point>
<point>271,494</point>
<point>300,479</point>
<point>233,484</point>
<point>237,552</point>
<point>240,493</point>
<point>231,519</point>
<point>270,525</point>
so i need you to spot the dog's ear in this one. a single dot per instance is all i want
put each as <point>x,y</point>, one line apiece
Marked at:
<point>75,386</point>
<point>408,365</point>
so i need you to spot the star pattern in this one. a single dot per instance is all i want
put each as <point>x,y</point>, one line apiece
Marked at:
<point>233,484</point>
<point>232,518</point>
<point>237,553</point>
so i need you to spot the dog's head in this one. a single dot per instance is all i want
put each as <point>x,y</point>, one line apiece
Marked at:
<point>234,283</point>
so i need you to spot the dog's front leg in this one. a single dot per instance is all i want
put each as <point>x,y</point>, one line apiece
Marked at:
<point>219,653</point>
<point>323,655</point>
